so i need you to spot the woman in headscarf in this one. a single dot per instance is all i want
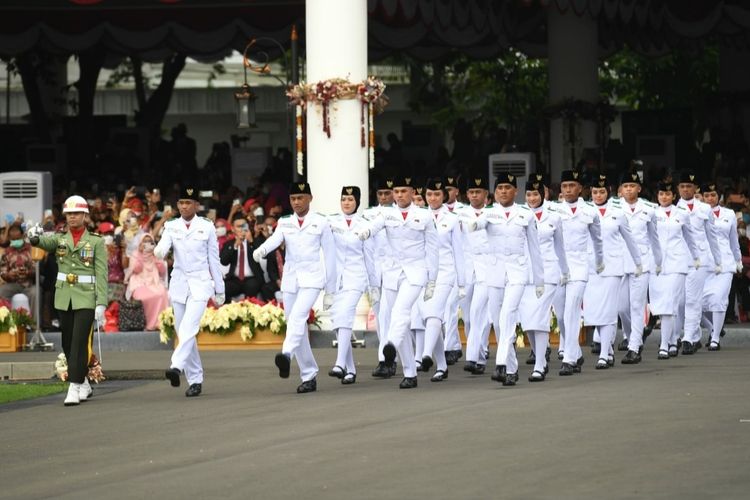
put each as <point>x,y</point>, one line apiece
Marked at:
<point>145,279</point>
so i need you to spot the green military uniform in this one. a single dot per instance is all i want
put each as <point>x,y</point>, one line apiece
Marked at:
<point>81,286</point>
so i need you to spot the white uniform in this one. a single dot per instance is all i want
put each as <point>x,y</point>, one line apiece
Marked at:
<point>535,312</point>
<point>704,233</point>
<point>474,307</point>
<point>305,274</point>
<point>634,289</point>
<point>196,277</point>
<point>716,290</point>
<point>452,338</point>
<point>667,290</point>
<point>451,274</point>
<point>412,239</point>
<point>355,272</point>
<point>514,247</point>
<point>580,223</point>
<point>600,298</point>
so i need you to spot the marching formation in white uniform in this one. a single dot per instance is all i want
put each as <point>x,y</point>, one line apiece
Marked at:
<point>498,265</point>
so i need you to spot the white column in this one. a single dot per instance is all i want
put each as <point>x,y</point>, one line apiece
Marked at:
<point>572,49</point>
<point>336,38</point>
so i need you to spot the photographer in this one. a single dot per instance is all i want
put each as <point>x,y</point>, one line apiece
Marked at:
<point>245,276</point>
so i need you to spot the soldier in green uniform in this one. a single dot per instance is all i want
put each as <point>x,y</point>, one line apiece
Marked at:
<point>80,290</point>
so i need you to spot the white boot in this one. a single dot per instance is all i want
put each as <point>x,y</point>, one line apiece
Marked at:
<point>84,390</point>
<point>73,398</point>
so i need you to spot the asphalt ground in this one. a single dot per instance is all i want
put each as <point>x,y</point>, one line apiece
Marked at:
<point>661,429</point>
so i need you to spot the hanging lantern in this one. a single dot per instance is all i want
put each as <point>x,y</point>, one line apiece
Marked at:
<point>246,115</point>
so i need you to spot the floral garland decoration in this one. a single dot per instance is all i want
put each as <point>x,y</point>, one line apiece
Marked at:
<point>370,93</point>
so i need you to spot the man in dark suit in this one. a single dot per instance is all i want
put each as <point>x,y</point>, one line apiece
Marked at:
<point>245,276</point>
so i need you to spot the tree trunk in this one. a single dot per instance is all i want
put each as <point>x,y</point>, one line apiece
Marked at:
<point>85,144</point>
<point>27,65</point>
<point>152,114</point>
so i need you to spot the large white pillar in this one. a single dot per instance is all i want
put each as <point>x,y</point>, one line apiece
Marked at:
<point>336,39</point>
<point>572,48</point>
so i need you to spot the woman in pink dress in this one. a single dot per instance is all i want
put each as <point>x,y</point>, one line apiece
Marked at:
<point>146,281</point>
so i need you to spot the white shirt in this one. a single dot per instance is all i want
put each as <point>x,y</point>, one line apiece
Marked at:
<point>642,222</point>
<point>451,269</point>
<point>355,267</point>
<point>725,224</point>
<point>675,239</point>
<point>551,243</point>
<point>476,245</point>
<point>702,225</point>
<point>579,226</point>
<point>616,237</point>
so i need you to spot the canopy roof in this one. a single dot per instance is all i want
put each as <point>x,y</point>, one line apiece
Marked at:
<point>426,29</point>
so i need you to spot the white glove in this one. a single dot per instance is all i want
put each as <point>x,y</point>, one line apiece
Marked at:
<point>472,226</point>
<point>599,268</point>
<point>564,279</point>
<point>461,292</point>
<point>99,315</point>
<point>429,290</point>
<point>638,270</point>
<point>219,299</point>
<point>34,231</point>
<point>374,293</point>
<point>327,301</point>
<point>539,291</point>
<point>739,266</point>
<point>658,270</point>
<point>363,235</point>
<point>159,254</point>
<point>697,263</point>
<point>717,270</point>
<point>258,254</point>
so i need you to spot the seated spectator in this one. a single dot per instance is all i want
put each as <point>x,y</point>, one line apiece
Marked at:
<point>221,232</point>
<point>117,261</point>
<point>17,268</point>
<point>146,280</point>
<point>245,275</point>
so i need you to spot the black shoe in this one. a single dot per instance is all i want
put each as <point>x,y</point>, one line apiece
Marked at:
<point>408,383</point>
<point>631,358</point>
<point>714,346</point>
<point>349,378</point>
<point>601,364</point>
<point>173,375</point>
<point>596,348</point>
<point>381,371</point>
<point>427,363</point>
<point>389,353</point>
<point>578,365</point>
<point>459,354</point>
<point>547,354</point>
<point>283,363</point>
<point>439,376</point>
<point>531,360</point>
<point>450,357</point>
<point>537,376</point>
<point>662,354</point>
<point>673,351</point>
<point>611,361</point>
<point>723,332</point>
<point>687,348</point>
<point>337,371</point>
<point>499,374</point>
<point>623,345</point>
<point>309,386</point>
<point>194,390</point>
<point>469,366</point>
<point>392,369</point>
<point>478,369</point>
<point>647,331</point>
<point>560,355</point>
<point>510,379</point>
<point>566,370</point>
<point>419,365</point>
<point>697,346</point>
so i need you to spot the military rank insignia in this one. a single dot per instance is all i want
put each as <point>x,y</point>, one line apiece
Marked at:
<point>87,254</point>
<point>62,248</point>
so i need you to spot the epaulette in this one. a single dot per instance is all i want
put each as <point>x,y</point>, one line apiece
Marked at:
<point>589,203</point>
<point>321,214</point>
<point>95,234</point>
<point>490,205</point>
<point>453,213</point>
<point>680,207</point>
<point>615,201</point>
<point>648,203</point>
<point>525,208</point>
<point>207,219</point>
<point>285,216</point>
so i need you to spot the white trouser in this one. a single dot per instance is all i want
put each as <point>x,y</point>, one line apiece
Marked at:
<point>539,345</point>
<point>572,320</point>
<point>606,338</point>
<point>558,305</point>
<point>480,326</point>
<point>402,301</point>
<point>383,315</point>
<point>187,320</point>
<point>632,308</point>
<point>694,283</point>
<point>452,339</point>
<point>507,319</point>
<point>432,342</point>
<point>342,313</point>
<point>714,322</point>
<point>465,305</point>
<point>297,342</point>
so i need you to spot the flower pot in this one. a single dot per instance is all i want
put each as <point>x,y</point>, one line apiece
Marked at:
<point>12,343</point>
<point>262,339</point>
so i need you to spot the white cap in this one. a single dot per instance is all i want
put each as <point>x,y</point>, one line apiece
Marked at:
<point>75,204</point>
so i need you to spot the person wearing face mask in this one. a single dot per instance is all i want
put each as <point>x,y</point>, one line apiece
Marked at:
<point>128,229</point>
<point>117,262</point>
<point>17,268</point>
<point>221,232</point>
<point>145,278</point>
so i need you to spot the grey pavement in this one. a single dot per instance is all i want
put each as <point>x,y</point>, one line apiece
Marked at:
<point>662,429</point>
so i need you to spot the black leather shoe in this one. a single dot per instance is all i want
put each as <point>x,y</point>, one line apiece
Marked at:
<point>427,363</point>
<point>547,354</point>
<point>349,378</point>
<point>631,358</point>
<point>459,354</point>
<point>687,349</point>
<point>308,386</point>
<point>623,345</point>
<point>596,348</point>
<point>510,379</point>
<point>647,331</point>
<point>560,355</point>
<point>531,360</point>
<point>408,383</point>
<point>194,390</point>
<point>578,365</point>
<point>337,372</point>
<point>697,346</point>
<point>673,351</point>
<point>392,369</point>
<point>537,376</point>
<point>450,357</point>
<point>282,362</point>
<point>499,374</point>
<point>173,375</point>
<point>714,346</point>
<point>662,354</point>
<point>389,353</point>
<point>419,365</point>
<point>469,366</point>
<point>478,369</point>
<point>601,364</point>
<point>566,370</point>
<point>439,376</point>
<point>723,332</point>
<point>381,371</point>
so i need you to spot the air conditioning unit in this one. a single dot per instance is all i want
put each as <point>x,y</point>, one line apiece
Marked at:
<point>521,165</point>
<point>29,193</point>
